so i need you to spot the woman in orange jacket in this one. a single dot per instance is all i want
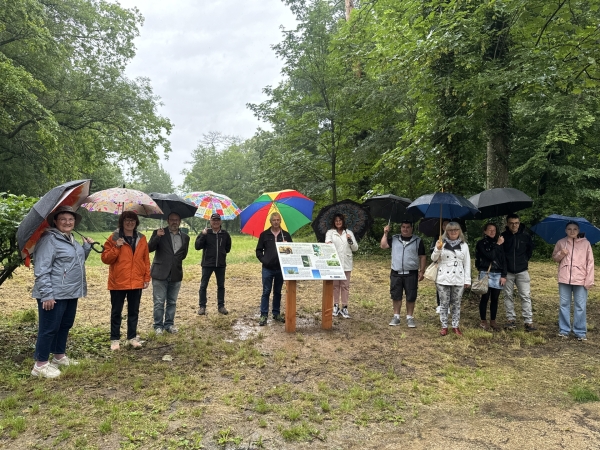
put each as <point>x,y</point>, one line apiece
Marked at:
<point>126,252</point>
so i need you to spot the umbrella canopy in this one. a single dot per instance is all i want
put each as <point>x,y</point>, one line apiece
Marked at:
<point>172,203</point>
<point>209,203</point>
<point>500,202</point>
<point>442,204</point>
<point>117,200</point>
<point>357,217</point>
<point>34,224</point>
<point>295,209</point>
<point>389,206</point>
<point>552,228</point>
<point>431,227</point>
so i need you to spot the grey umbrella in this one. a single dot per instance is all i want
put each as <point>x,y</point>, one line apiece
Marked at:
<point>499,202</point>
<point>172,203</point>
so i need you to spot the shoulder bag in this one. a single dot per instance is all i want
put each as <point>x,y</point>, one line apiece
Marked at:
<point>480,287</point>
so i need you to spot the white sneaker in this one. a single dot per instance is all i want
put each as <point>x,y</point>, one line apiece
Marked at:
<point>336,310</point>
<point>172,329</point>
<point>135,343</point>
<point>64,361</point>
<point>344,312</point>
<point>158,331</point>
<point>46,371</point>
<point>115,345</point>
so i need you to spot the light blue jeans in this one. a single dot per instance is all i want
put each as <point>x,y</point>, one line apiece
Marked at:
<point>579,295</point>
<point>164,294</point>
<point>522,281</point>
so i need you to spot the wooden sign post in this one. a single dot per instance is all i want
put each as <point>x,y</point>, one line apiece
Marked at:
<point>290,305</point>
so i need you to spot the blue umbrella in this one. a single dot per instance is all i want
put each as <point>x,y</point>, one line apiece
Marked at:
<point>442,204</point>
<point>552,228</point>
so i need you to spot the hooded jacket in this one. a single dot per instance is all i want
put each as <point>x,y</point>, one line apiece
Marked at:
<point>215,247</point>
<point>518,249</point>
<point>488,252</point>
<point>266,248</point>
<point>577,267</point>
<point>59,267</point>
<point>128,270</point>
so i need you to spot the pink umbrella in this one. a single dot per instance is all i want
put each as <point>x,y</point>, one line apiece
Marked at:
<point>117,200</point>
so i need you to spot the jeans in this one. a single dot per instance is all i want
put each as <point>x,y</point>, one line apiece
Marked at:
<point>220,275</point>
<point>341,288</point>
<point>117,301</point>
<point>164,291</point>
<point>579,294</point>
<point>450,296</point>
<point>54,326</point>
<point>271,279</point>
<point>522,281</point>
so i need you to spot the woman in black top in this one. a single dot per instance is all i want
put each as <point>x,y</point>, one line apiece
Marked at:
<point>490,256</point>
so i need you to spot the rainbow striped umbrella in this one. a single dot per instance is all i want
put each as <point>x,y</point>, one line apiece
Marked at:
<point>295,209</point>
<point>209,202</point>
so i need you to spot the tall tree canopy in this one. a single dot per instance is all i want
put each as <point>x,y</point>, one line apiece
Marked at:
<point>66,107</point>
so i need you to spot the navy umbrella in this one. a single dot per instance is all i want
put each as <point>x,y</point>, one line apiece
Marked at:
<point>33,225</point>
<point>389,206</point>
<point>552,228</point>
<point>172,203</point>
<point>442,204</point>
<point>357,218</point>
<point>500,202</point>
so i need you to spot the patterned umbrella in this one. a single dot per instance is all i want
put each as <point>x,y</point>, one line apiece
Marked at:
<point>209,202</point>
<point>34,224</point>
<point>358,219</point>
<point>117,200</point>
<point>295,209</point>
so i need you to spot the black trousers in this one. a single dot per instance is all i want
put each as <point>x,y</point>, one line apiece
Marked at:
<point>117,301</point>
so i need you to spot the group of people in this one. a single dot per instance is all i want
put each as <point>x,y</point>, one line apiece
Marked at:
<point>501,258</point>
<point>60,278</point>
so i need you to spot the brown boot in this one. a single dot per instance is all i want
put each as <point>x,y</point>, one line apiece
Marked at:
<point>494,326</point>
<point>484,325</point>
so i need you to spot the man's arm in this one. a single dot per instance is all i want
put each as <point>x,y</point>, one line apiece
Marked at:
<point>384,239</point>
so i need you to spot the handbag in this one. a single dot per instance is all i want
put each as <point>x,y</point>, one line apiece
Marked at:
<point>431,271</point>
<point>480,287</point>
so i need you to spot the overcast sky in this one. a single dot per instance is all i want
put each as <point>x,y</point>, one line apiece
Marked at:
<point>206,60</point>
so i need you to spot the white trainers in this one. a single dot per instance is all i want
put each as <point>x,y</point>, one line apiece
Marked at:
<point>114,345</point>
<point>135,343</point>
<point>172,329</point>
<point>344,312</point>
<point>64,361</point>
<point>336,310</point>
<point>45,371</point>
<point>158,331</point>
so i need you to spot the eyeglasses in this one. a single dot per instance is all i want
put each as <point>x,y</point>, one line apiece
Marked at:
<point>129,221</point>
<point>513,223</point>
<point>452,229</point>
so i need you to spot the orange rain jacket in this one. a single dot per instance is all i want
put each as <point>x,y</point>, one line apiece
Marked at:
<point>127,270</point>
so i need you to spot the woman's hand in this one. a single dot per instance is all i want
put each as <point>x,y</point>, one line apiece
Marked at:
<point>89,240</point>
<point>146,284</point>
<point>467,286</point>
<point>48,305</point>
<point>439,244</point>
<point>120,242</point>
<point>500,240</point>
<point>564,251</point>
<point>502,281</point>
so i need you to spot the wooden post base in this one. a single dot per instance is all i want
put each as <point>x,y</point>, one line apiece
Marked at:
<point>290,306</point>
<point>327,305</point>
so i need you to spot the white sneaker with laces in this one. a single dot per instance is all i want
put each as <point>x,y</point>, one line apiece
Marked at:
<point>45,371</point>
<point>135,343</point>
<point>410,321</point>
<point>344,312</point>
<point>158,331</point>
<point>64,361</point>
<point>336,310</point>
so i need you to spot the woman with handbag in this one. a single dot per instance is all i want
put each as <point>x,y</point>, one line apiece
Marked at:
<point>454,274</point>
<point>575,259</point>
<point>489,260</point>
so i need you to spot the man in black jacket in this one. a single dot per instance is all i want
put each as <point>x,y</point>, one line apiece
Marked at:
<point>215,243</point>
<point>272,278</point>
<point>171,246</point>
<point>518,248</point>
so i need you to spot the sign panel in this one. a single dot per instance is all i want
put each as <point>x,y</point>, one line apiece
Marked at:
<point>307,261</point>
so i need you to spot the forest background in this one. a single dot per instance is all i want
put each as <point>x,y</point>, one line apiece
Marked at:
<point>377,97</point>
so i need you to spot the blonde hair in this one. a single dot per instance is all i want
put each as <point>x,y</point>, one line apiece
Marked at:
<point>275,214</point>
<point>454,226</point>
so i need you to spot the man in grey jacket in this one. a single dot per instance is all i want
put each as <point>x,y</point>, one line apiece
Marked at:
<point>171,247</point>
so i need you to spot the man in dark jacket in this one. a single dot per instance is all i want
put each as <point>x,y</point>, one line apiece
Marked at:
<point>272,278</point>
<point>171,247</point>
<point>518,248</point>
<point>215,243</point>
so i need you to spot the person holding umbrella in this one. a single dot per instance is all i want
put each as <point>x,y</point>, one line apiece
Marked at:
<point>272,278</point>
<point>454,274</point>
<point>59,281</point>
<point>171,247</point>
<point>575,261</point>
<point>126,253</point>
<point>345,243</point>
<point>490,261</point>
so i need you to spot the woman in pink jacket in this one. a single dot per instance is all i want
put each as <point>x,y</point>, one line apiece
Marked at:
<point>575,276</point>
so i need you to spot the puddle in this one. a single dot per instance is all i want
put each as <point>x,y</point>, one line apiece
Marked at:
<point>244,331</point>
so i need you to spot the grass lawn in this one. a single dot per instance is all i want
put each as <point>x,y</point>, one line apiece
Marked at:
<point>224,382</point>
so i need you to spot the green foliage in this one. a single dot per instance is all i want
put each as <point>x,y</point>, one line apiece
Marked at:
<point>12,210</point>
<point>582,393</point>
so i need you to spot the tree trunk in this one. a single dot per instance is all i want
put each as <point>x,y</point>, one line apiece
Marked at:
<point>349,8</point>
<point>497,161</point>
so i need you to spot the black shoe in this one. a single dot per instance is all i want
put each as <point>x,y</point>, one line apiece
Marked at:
<point>202,311</point>
<point>263,321</point>
<point>530,327</point>
<point>223,311</point>
<point>511,325</point>
<point>279,318</point>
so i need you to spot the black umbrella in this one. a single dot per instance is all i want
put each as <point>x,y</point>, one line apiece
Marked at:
<point>172,203</point>
<point>430,227</point>
<point>31,228</point>
<point>358,219</point>
<point>390,207</point>
<point>499,202</point>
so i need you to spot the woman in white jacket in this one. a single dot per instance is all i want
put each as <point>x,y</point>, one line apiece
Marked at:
<point>454,274</point>
<point>345,243</point>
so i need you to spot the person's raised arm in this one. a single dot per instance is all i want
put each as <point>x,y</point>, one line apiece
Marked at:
<point>384,239</point>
